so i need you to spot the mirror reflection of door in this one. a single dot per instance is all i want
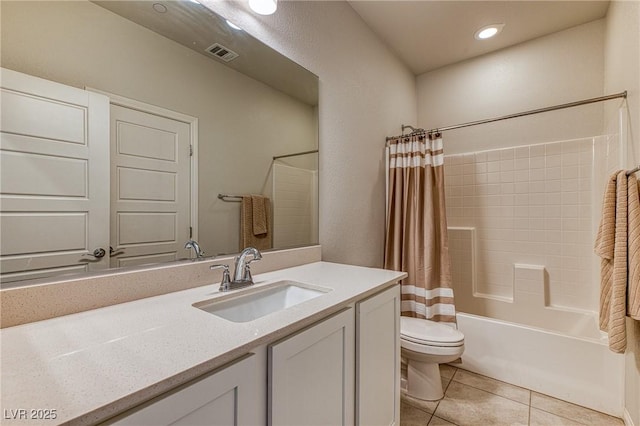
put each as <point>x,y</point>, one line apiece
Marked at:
<point>54,153</point>
<point>150,183</point>
<point>61,212</point>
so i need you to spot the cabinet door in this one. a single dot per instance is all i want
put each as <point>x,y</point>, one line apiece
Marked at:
<point>311,375</point>
<point>378,359</point>
<point>233,395</point>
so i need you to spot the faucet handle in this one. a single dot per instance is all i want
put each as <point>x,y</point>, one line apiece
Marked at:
<point>226,278</point>
<point>246,274</point>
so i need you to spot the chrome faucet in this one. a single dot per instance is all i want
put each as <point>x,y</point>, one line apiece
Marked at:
<point>193,244</point>
<point>242,273</point>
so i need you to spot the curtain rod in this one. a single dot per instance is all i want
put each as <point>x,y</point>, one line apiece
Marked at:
<point>296,154</point>
<point>530,112</point>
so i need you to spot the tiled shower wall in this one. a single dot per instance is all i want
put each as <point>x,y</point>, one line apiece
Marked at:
<point>534,207</point>
<point>294,195</point>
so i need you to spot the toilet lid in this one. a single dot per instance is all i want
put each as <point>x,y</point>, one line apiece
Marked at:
<point>429,332</point>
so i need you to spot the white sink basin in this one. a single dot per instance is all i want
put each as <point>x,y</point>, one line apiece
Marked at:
<point>252,304</point>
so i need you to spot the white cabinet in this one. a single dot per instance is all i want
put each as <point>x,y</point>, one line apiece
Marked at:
<point>378,359</point>
<point>311,375</point>
<point>233,395</point>
<point>342,370</point>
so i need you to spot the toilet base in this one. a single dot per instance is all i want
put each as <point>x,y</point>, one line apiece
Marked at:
<point>423,381</point>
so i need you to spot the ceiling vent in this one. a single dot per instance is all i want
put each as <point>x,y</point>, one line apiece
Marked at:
<point>222,52</point>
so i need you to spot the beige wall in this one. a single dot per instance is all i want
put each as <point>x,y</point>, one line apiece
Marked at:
<point>365,95</point>
<point>563,67</point>
<point>632,372</point>
<point>622,72</point>
<point>242,122</point>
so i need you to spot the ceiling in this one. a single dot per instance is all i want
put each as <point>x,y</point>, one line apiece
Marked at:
<point>196,27</point>
<point>430,34</point>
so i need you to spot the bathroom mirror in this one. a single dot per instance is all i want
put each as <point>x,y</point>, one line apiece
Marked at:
<point>163,59</point>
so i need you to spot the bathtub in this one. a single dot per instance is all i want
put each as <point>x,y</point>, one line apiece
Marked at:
<point>574,365</point>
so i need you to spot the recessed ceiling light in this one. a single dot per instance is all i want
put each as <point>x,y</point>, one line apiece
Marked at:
<point>160,8</point>
<point>263,7</point>
<point>488,31</point>
<point>232,25</point>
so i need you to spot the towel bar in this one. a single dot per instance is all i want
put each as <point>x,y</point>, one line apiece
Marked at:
<point>230,198</point>
<point>632,171</point>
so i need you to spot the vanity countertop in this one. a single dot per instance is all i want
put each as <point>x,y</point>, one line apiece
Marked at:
<point>95,364</point>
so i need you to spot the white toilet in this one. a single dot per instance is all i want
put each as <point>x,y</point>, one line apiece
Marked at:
<point>425,344</point>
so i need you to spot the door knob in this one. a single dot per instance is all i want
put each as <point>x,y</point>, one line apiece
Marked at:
<point>97,253</point>
<point>113,253</point>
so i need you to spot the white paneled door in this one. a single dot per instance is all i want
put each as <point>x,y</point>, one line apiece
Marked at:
<point>150,185</point>
<point>54,178</point>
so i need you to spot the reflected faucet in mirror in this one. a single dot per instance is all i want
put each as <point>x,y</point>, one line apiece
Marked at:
<point>193,244</point>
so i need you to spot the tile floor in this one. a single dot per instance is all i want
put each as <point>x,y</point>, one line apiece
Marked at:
<point>474,400</point>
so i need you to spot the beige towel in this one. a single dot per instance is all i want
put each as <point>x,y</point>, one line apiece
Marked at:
<point>248,238</point>
<point>611,246</point>
<point>260,225</point>
<point>633,291</point>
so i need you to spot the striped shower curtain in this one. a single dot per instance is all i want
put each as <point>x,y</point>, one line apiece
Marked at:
<point>416,238</point>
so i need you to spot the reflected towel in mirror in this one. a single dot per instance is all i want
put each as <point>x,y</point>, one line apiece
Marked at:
<point>254,219</point>
<point>259,207</point>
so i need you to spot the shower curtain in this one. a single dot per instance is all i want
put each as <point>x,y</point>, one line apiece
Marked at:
<point>416,236</point>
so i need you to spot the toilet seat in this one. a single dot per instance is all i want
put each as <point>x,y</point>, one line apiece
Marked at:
<point>424,332</point>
